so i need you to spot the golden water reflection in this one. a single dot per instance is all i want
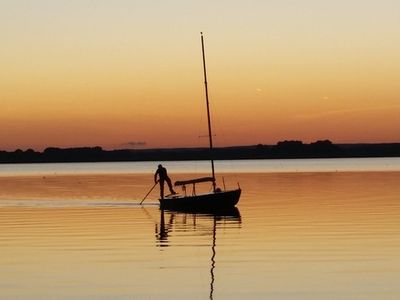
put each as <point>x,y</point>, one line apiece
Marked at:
<point>298,236</point>
<point>197,224</point>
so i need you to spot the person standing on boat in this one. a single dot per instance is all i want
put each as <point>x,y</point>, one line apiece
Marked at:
<point>163,176</point>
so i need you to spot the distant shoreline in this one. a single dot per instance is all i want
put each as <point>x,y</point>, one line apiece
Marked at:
<point>282,150</point>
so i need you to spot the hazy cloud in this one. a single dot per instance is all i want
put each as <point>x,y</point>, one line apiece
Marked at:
<point>339,112</point>
<point>135,144</point>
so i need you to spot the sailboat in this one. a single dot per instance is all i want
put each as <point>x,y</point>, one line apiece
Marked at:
<point>217,199</point>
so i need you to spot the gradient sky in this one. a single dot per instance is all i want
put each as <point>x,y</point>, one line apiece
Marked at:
<point>114,73</point>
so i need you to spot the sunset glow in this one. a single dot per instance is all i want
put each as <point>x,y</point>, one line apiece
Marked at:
<point>122,73</point>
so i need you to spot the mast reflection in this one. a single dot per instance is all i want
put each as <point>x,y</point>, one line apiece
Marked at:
<point>189,221</point>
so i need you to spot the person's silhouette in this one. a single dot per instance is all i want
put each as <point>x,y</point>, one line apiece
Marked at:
<point>163,176</point>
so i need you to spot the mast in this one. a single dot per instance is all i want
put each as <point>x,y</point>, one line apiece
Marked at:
<point>208,110</point>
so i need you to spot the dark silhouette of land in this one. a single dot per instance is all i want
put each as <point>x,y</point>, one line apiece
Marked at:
<point>285,149</point>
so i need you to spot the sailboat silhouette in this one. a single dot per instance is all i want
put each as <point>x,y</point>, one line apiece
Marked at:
<point>217,198</point>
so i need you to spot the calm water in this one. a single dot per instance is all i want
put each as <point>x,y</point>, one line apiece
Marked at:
<point>311,229</point>
<point>238,166</point>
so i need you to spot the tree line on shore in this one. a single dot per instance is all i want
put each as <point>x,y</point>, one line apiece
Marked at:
<point>283,149</point>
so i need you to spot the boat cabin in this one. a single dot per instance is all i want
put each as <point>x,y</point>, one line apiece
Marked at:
<point>183,183</point>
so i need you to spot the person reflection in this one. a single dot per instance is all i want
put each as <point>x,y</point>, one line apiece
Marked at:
<point>163,230</point>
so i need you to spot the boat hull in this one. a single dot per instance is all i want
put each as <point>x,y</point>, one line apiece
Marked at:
<point>204,202</point>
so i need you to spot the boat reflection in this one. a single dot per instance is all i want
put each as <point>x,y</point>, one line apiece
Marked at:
<point>188,221</point>
<point>197,224</point>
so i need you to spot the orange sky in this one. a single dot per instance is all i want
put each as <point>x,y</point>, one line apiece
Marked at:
<point>85,73</point>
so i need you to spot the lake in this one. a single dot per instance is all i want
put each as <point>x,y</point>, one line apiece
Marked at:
<point>303,229</point>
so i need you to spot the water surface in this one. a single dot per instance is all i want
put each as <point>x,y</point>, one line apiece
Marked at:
<point>295,235</point>
<point>223,166</point>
